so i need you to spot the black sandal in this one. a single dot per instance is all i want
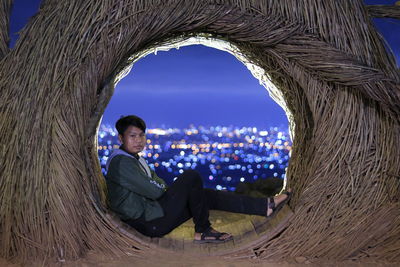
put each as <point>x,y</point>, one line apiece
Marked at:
<point>276,208</point>
<point>216,237</point>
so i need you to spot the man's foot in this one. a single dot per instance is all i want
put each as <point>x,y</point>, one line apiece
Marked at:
<point>212,236</point>
<point>277,202</point>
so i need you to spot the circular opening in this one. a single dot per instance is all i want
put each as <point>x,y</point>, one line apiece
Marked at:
<point>235,224</point>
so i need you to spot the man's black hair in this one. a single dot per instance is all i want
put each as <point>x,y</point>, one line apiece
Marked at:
<point>124,122</point>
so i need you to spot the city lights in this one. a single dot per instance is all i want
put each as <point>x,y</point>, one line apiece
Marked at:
<point>224,156</point>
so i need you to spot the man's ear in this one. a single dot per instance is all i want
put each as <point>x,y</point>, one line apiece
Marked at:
<point>120,138</point>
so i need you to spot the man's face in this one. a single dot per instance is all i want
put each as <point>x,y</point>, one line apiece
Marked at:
<point>133,139</point>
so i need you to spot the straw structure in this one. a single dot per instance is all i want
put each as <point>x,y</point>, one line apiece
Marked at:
<point>380,11</point>
<point>5,10</point>
<point>339,82</point>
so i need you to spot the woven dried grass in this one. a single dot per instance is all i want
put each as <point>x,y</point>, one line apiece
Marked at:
<point>338,81</point>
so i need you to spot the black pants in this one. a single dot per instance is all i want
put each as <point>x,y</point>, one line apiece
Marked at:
<point>186,198</point>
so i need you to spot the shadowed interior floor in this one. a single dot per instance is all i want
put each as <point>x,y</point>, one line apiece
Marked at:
<point>233,223</point>
<point>247,230</point>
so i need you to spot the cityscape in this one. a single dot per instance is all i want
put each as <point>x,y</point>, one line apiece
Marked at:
<point>224,156</point>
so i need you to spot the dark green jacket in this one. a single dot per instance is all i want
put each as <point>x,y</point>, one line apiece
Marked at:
<point>131,192</point>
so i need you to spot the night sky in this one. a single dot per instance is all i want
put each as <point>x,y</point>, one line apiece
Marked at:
<point>196,84</point>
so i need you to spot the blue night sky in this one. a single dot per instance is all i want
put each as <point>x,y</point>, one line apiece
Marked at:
<point>196,84</point>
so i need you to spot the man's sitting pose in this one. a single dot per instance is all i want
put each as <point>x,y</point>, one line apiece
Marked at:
<point>144,201</point>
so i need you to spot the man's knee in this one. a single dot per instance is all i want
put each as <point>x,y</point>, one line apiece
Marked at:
<point>192,174</point>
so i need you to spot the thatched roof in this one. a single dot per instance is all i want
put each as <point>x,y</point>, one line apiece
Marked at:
<point>338,81</point>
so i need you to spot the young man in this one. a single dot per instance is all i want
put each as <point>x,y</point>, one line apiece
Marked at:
<point>144,201</point>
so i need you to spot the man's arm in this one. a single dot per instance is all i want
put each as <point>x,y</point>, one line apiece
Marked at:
<point>158,179</point>
<point>129,175</point>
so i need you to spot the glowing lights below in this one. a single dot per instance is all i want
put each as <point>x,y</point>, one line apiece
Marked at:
<point>224,155</point>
